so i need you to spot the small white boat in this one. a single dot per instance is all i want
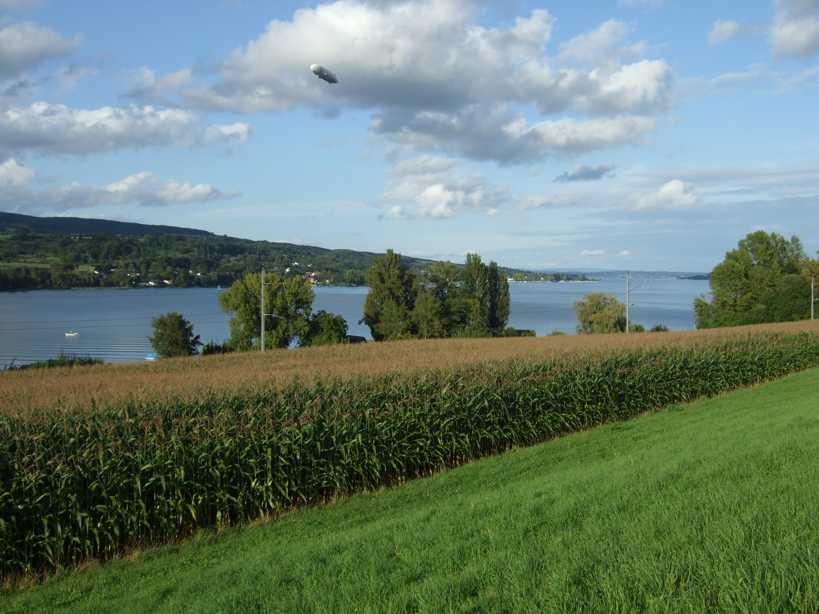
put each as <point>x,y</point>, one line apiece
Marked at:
<point>72,333</point>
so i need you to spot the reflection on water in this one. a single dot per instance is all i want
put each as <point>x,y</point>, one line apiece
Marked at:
<point>114,324</point>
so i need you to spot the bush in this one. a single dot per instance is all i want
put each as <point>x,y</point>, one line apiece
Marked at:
<point>74,486</point>
<point>659,328</point>
<point>637,328</point>
<point>517,332</point>
<point>173,336</point>
<point>62,360</point>
<point>211,347</point>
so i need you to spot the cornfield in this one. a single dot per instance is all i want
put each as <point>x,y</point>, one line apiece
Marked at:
<point>79,485</point>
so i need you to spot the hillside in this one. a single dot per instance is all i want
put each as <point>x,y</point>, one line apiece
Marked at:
<point>89,226</point>
<point>37,253</point>
<point>40,253</point>
<point>705,507</point>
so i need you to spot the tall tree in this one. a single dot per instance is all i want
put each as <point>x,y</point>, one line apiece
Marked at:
<point>762,280</point>
<point>391,299</point>
<point>600,313</point>
<point>487,296</point>
<point>288,301</point>
<point>173,336</point>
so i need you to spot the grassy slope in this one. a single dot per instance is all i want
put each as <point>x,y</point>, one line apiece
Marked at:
<point>710,506</point>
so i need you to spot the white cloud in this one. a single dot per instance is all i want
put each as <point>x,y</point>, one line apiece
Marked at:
<point>598,45</point>
<point>425,80</point>
<point>14,175</point>
<point>140,189</point>
<point>593,252</point>
<point>624,253</point>
<point>723,31</point>
<point>433,187</point>
<point>145,85</point>
<point>55,128</point>
<point>674,194</point>
<point>498,134</point>
<point>795,28</point>
<point>24,45</point>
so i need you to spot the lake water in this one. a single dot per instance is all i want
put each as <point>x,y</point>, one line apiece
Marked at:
<point>115,324</point>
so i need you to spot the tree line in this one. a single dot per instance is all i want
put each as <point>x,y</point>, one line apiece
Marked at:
<point>765,279</point>
<point>443,300</point>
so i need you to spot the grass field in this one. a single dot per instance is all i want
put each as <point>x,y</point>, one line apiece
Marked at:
<point>185,378</point>
<point>706,507</point>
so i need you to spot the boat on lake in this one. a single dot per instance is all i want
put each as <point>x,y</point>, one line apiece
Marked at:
<point>72,333</point>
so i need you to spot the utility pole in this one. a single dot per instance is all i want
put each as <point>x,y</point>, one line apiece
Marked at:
<point>812,296</point>
<point>261,301</point>
<point>628,298</point>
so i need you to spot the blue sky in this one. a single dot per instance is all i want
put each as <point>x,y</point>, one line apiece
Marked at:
<point>641,134</point>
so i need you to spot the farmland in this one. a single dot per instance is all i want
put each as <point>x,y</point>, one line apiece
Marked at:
<point>93,483</point>
<point>185,379</point>
<point>704,507</point>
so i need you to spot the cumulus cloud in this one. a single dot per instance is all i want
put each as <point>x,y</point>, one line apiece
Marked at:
<point>140,189</point>
<point>601,44</point>
<point>795,28</point>
<point>426,78</point>
<point>24,45</point>
<point>13,174</point>
<point>723,31</point>
<point>593,252</point>
<point>146,85</point>
<point>55,128</point>
<point>498,134</point>
<point>674,194</point>
<point>433,187</point>
<point>585,173</point>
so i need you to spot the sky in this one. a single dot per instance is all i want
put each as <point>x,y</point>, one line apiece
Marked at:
<point>616,134</point>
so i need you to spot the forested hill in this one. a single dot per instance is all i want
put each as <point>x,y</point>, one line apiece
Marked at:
<point>37,253</point>
<point>88,226</point>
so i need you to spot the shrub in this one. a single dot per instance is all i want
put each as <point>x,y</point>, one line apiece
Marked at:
<point>211,347</point>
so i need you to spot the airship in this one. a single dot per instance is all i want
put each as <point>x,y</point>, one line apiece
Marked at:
<point>323,73</point>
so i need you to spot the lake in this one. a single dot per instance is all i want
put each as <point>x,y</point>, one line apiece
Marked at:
<point>114,324</point>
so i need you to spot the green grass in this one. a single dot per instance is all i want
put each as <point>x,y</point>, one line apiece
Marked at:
<point>707,507</point>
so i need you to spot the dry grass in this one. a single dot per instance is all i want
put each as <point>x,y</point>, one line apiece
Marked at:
<point>185,378</point>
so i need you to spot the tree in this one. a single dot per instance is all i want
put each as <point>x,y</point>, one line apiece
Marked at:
<point>173,336</point>
<point>427,315</point>
<point>288,301</point>
<point>762,280</point>
<point>600,313</point>
<point>487,298</point>
<point>325,328</point>
<point>391,299</point>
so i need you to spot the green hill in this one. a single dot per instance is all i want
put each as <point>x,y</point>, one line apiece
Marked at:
<point>89,226</point>
<point>704,507</point>
<point>57,252</point>
<point>73,252</point>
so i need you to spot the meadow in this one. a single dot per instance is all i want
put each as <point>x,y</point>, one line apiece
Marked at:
<point>184,379</point>
<point>95,483</point>
<point>703,507</point>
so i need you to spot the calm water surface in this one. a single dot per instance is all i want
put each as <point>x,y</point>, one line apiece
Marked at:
<point>115,324</point>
